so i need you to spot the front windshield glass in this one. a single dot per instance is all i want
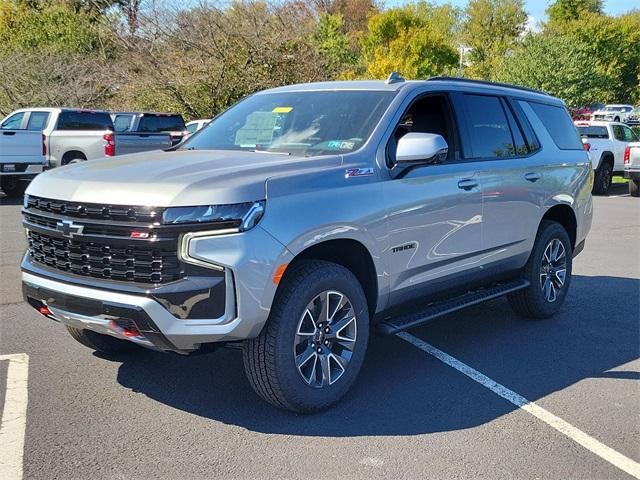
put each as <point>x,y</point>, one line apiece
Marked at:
<point>613,109</point>
<point>296,123</point>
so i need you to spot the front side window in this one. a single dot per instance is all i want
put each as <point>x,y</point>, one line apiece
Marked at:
<point>488,127</point>
<point>37,121</point>
<point>192,127</point>
<point>122,123</point>
<point>304,123</point>
<point>628,135</point>
<point>13,122</point>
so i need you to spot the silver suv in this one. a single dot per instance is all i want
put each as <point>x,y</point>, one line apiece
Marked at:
<point>305,217</point>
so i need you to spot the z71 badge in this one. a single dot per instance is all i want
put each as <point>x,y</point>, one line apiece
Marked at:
<point>358,172</point>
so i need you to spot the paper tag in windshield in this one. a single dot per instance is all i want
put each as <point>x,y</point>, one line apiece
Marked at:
<point>282,109</point>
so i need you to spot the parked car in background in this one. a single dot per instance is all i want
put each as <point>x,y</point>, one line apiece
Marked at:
<point>22,151</point>
<point>146,124</point>
<point>632,168</point>
<point>584,112</point>
<point>634,117</point>
<point>607,144</point>
<point>194,125</point>
<point>612,113</point>
<point>306,216</point>
<point>71,135</point>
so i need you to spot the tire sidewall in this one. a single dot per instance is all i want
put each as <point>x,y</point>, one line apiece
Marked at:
<point>299,394</point>
<point>549,231</point>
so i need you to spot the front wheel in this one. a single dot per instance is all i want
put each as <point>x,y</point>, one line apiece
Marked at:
<point>549,272</point>
<point>314,343</point>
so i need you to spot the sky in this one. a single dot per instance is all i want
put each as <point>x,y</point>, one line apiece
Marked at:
<point>536,8</point>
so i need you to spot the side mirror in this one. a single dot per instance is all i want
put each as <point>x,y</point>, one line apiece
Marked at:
<point>418,148</point>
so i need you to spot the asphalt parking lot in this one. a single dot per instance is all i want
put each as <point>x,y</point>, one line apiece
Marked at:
<point>410,415</point>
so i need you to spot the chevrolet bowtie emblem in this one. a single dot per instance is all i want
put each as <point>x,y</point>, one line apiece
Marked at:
<point>69,229</point>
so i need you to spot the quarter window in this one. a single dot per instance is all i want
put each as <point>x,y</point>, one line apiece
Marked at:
<point>558,123</point>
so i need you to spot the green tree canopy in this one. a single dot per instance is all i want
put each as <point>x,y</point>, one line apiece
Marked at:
<point>565,10</point>
<point>417,40</point>
<point>556,64</point>
<point>492,27</point>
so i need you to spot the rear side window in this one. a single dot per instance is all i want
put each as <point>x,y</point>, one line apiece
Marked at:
<point>593,132</point>
<point>122,123</point>
<point>488,127</point>
<point>84,121</point>
<point>559,125</point>
<point>160,123</point>
<point>37,121</point>
<point>13,122</point>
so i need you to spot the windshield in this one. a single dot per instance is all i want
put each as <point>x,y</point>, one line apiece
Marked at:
<point>614,109</point>
<point>296,123</point>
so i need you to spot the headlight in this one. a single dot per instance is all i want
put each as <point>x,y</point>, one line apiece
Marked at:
<point>242,216</point>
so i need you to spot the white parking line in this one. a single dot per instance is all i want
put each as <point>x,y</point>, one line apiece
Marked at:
<point>14,416</point>
<point>610,455</point>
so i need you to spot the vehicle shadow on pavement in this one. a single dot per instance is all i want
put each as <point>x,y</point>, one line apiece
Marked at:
<point>403,391</point>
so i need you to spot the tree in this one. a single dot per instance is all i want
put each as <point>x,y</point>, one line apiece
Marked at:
<point>416,40</point>
<point>556,64</point>
<point>332,43</point>
<point>565,10</point>
<point>491,29</point>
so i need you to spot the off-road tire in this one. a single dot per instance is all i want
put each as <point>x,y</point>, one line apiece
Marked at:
<point>603,179</point>
<point>102,343</point>
<point>12,186</point>
<point>530,302</point>
<point>269,359</point>
<point>634,188</point>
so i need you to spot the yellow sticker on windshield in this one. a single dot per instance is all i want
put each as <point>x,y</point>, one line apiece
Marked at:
<point>282,109</point>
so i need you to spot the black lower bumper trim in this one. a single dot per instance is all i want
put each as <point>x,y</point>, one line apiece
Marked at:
<point>94,307</point>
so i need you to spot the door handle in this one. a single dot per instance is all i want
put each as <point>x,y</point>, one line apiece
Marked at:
<point>533,176</point>
<point>8,133</point>
<point>467,184</point>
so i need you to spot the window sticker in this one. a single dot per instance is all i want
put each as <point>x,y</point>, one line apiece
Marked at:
<point>282,109</point>
<point>340,145</point>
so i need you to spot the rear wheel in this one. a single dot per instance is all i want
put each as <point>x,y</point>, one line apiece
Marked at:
<point>314,343</point>
<point>101,343</point>
<point>549,272</point>
<point>634,187</point>
<point>12,186</point>
<point>602,181</point>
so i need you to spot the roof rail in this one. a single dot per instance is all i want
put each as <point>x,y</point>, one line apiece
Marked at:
<point>486,82</point>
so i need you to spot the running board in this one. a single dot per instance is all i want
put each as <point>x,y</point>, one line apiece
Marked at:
<point>438,309</point>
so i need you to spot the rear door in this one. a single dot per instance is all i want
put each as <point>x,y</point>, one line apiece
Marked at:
<point>434,211</point>
<point>512,173</point>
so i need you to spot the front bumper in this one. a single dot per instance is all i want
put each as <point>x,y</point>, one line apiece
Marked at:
<point>249,261</point>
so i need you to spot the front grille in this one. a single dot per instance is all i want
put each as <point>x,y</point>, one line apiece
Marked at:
<point>93,211</point>
<point>141,262</point>
<point>598,117</point>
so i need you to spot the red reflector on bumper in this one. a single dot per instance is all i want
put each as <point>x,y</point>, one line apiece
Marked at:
<point>44,310</point>
<point>131,332</point>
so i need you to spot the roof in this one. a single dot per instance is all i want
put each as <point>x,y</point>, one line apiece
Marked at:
<point>380,85</point>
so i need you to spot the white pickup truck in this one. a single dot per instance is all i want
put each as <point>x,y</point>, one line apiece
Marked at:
<point>21,153</point>
<point>607,144</point>
<point>632,168</point>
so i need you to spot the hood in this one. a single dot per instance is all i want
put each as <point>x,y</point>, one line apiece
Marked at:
<point>178,178</point>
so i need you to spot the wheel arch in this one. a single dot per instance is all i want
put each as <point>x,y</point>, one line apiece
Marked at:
<point>71,154</point>
<point>565,216</point>
<point>354,256</point>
